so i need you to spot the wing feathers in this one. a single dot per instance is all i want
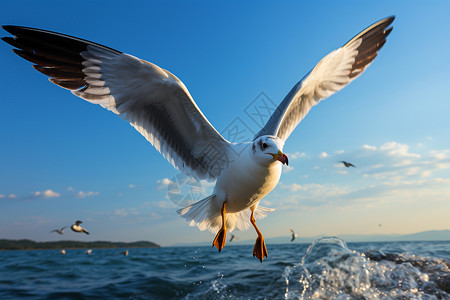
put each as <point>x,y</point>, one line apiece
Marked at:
<point>153,100</point>
<point>69,83</point>
<point>330,75</point>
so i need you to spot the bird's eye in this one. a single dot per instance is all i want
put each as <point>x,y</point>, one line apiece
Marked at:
<point>264,145</point>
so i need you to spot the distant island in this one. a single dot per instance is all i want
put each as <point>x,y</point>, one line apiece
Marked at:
<point>32,245</point>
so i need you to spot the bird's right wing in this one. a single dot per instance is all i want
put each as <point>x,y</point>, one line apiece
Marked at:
<point>330,75</point>
<point>153,100</point>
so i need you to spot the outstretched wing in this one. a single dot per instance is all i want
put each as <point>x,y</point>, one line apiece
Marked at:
<point>154,101</point>
<point>330,75</point>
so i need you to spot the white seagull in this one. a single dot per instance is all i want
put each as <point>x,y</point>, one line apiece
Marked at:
<point>232,237</point>
<point>294,235</point>
<point>59,231</point>
<point>159,106</point>
<point>77,228</point>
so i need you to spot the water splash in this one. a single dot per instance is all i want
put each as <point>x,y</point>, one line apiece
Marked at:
<point>330,270</point>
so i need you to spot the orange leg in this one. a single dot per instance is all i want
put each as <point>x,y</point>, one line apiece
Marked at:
<point>221,236</point>
<point>259,250</point>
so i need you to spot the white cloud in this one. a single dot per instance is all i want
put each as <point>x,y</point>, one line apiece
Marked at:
<point>368,147</point>
<point>296,155</point>
<point>323,155</point>
<point>50,194</point>
<point>397,149</point>
<point>163,204</point>
<point>391,174</point>
<point>2,196</point>
<point>316,190</point>
<point>443,154</point>
<point>293,187</point>
<point>126,212</point>
<point>343,172</point>
<point>82,194</point>
<point>287,169</point>
<point>163,183</point>
<point>131,186</point>
<point>394,161</point>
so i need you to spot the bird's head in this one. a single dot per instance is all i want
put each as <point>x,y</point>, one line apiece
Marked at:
<point>267,149</point>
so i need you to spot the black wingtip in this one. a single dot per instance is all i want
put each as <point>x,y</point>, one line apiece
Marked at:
<point>8,40</point>
<point>10,28</point>
<point>390,20</point>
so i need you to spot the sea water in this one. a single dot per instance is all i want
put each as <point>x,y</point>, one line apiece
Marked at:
<point>326,269</point>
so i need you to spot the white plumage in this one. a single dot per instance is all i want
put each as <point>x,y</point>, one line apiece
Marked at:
<point>159,106</point>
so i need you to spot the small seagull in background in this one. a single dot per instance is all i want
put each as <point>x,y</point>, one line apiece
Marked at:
<point>232,237</point>
<point>347,164</point>
<point>294,235</point>
<point>88,252</point>
<point>59,231</point>
<point>125,253</point>
<point>63,252</point>
<point>77,228</point>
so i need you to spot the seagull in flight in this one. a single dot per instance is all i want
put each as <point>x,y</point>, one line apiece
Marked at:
<point>347,164</point>
<point>59,231</point>
<point>77,228</point>
<point>294,235</point>
<point>159,106</point>
<point>232,237</point>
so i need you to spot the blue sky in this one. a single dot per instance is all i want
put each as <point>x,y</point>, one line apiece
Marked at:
<point>63,159</point>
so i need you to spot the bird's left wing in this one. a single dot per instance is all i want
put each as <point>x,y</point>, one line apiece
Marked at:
<point>153,100</point>
<point>330,75</point>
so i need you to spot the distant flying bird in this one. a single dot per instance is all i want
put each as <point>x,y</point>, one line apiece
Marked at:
<point>77,228</point>
<point>294,235</point>
<point>160,107</point>
<point>125,253</point>
<point>88,252</point>
<point>347,164</point>
<point>63,252</point>
<point>232,238</point>
<point>59,231</point>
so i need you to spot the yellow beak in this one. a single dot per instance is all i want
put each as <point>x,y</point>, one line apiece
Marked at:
<point>280,156</point>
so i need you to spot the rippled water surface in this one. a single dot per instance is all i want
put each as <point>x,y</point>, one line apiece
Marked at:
<point>326,269</point>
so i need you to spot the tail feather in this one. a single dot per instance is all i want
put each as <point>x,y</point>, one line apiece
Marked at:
<point>261,212</point>
<point>201,215</point>
<point>206,215</point>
